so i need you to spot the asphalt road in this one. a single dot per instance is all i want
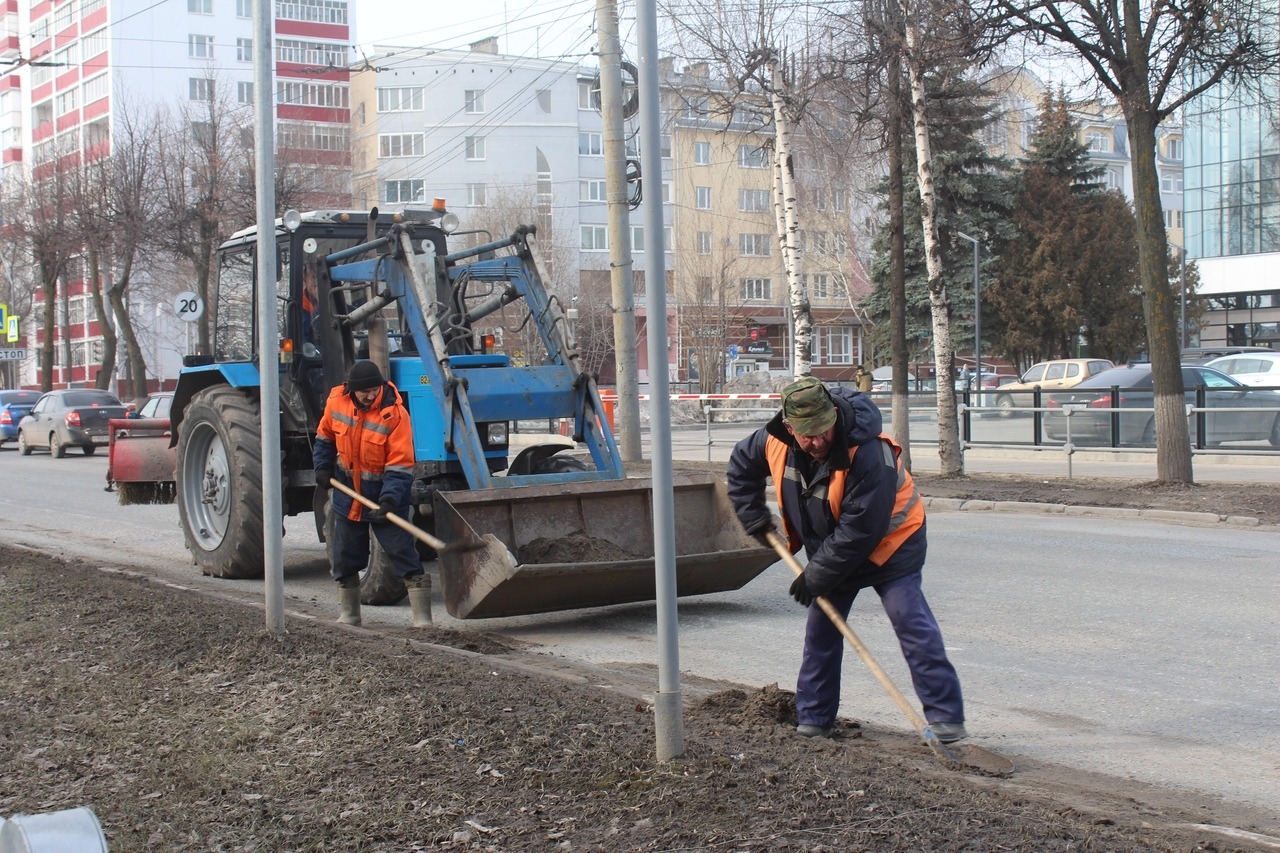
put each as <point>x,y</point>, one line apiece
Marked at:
<point>1142,650</point>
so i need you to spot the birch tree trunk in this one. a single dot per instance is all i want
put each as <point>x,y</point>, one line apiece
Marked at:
<point>784,205</point>
<point>951,459</point>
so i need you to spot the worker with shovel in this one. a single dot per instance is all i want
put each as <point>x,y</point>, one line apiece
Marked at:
<point>845,496</point>
<point>364,445</point>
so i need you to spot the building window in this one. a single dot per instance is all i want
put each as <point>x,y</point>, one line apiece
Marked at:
<point>244,92</point>
<point>1097,140</point>
<point>820,286</point>
<point>95,89</point>
<point>474,100</point>
<point>93,44</point>
<point>404,191</point>
<point>838,342</point>
<point>702,198</point>
<point>401,144</point>
<point>752,157</point>
<point>839,200</point>
<point>244,50</point>
<point>595,238</point>
<point>475,195</point>
<point>1173,219</point>
<point>755,245</point>
<point>592,191</point>
<point>1173,149</point>
<point>820,199</point>
<point>244,8</point>
<point>755,201</point>
<point>637,238</point>
<point>757,289</point>
<point>314,11</point>
<point>475,147</point>
<point>704,242</point>
<point>325,54</point>
<point>200,89</point>
<point>195,7</point>
<point>402,99</point>
<point>584,95</point>
<point>312,94</point>
<point>200,47</point>
<point>1111,179</point>
<point>702,153</point>
<point>68,101</point>
<point>544,100</point>
<point>590,144</point>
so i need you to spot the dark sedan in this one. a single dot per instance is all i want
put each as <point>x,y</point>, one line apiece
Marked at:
<point>70,418</point>
<point>14,406</point>
<point>1235,412</point>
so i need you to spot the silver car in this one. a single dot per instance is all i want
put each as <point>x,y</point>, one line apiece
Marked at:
<point>1236,412</point>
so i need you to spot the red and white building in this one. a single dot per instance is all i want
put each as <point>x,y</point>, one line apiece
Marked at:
<point>70,68</point>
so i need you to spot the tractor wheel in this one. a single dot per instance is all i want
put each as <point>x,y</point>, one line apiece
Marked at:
<point>379,583</point>
<point>23,447</point>
<point>219,483</point>
<point>57,449</point>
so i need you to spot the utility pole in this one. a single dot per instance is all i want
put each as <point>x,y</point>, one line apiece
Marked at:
<point>624,312</point>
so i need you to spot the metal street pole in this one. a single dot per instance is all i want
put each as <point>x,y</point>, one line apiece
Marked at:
<point>977,312</point>
<point>268,331</point>
<point>667,706</point>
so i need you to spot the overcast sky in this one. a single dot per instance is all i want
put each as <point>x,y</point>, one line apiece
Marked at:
<point>547,28</point>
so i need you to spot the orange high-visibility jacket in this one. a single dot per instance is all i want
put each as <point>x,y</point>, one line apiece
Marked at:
<point>373,449</point>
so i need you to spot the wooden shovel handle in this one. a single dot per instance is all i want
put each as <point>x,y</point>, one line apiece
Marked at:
<point>843,627</point>
<point>415,531</point>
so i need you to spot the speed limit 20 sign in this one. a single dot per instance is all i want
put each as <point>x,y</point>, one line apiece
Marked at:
<point>188,306</point>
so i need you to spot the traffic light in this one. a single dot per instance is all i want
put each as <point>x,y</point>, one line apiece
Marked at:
<point>755,334</point>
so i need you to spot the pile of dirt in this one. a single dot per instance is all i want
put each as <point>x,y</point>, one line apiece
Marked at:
<point>575,548</point>
<point>186,727</point>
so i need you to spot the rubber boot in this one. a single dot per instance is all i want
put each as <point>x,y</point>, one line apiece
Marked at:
<point>419,587</point>
<point>350,592</point>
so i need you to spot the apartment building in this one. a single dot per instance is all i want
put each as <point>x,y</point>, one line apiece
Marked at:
<point>72,70</point>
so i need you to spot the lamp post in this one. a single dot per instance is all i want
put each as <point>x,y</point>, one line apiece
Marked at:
<point>977,312</point>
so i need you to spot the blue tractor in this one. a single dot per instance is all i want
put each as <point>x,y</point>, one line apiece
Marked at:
<point>563,525</point>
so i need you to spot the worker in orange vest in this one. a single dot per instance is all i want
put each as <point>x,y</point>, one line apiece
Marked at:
<point>846,498</point>
<point>365,441</point>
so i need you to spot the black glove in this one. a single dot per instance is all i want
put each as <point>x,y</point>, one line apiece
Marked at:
<point>385,508</point>
<point>760,529</point>
<point>324,478</point>
<point>800,591</point>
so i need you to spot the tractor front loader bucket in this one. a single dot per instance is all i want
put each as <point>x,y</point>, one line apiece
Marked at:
<point>566,546</point>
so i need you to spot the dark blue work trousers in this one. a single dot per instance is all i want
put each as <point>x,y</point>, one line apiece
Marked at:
<point>351,547</point>
<point>934,678</point>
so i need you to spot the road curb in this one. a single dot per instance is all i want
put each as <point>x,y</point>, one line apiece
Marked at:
<point>1034,508</point>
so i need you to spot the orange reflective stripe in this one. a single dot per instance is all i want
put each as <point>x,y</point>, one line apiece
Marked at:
<point>908,509</point>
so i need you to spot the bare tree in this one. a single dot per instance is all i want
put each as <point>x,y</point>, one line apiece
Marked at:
<point>206,189</point>
<point>750,45</point>
<point>1152,58</point>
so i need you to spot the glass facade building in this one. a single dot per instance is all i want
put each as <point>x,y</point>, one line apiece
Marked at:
<point>1231,201</point>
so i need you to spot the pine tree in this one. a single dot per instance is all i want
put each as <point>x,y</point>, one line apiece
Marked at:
<point>975,195</point>
<point>1069,270</point>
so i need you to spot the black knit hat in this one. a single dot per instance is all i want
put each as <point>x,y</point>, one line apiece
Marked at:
<point>364,375</point>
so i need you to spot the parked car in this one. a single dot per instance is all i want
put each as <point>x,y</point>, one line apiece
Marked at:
<point>1205,354</point>
<point>1053,375</point>
<point>1253,368</point>
<point>14,405</point>
<point>69,418</point>
<point>1231,418</point>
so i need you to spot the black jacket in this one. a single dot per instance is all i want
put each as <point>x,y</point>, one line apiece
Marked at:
<point>838,551</point>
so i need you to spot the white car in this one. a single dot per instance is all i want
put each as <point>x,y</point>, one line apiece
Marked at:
<point>1250,368</point>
